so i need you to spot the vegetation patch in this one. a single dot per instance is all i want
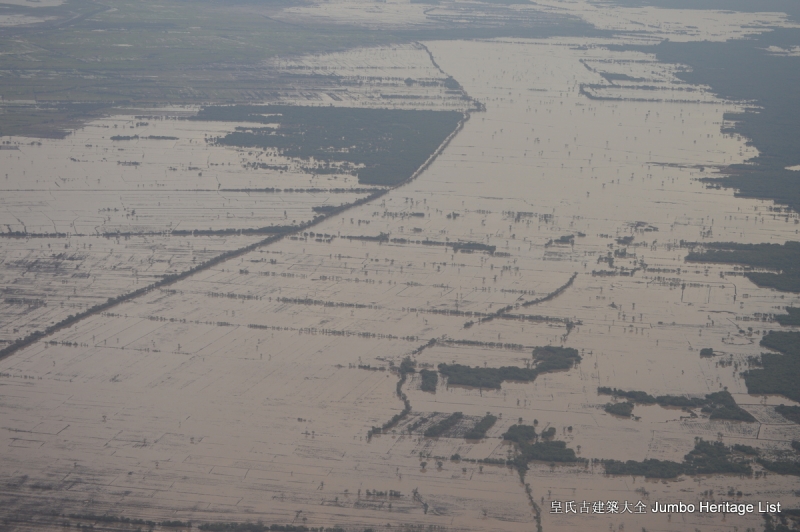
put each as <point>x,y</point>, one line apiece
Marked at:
<point>544,451</point>
<point>548,451</point>
<point>429,380</point>
<point>783,467</point>
<point>554,294</point>
<point>782,259</point>
<point>380,146</point>
<point>785,521</point>
<point>491,378</point>
<point>549,433</point>
<point>113,519</point>
<point>792,317</point>
<point>643,398</point>
<point>406,367</point>
<point>792,413</point>
<point>503,311</point>
<point>520,433</point>
<point>619,409</point>
<point>719,405</point>
<point>137,137</point>
<point>546,359</point>
<point>553,358</point>
<point>706,458</point>
<point>437,429</point>
<point>562,240</point>
<point>745,70</point>
<point>779,373</point>
<point>650,468</point>
<point>152,56</point>
<point>472,246</point>
<point>713,457</point>
<point>418,423</point>
<point>745,449</point>
<point>479,430</point>
<point>722,406</point>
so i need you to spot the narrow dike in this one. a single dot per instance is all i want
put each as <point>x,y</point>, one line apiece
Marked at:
<point>503,312</point>
<point>397,418</point>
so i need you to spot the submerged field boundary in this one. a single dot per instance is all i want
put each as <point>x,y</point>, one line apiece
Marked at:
<point>72,319</point>
<point>503,313</point>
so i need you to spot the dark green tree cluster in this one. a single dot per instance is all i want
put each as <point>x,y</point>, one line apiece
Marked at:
<point>783,467</point>
<point>546,359</point>
<point>745,70</point>
<point>780,373</point>
<point>544,451</point>
<point>792,317</point>
<point>705,458</point>
<point>619,409</point>
<point>792,413</point>
<point>407,366</point>
<point>478,377</point>
<point>429,380</point>
<point>650,468</point>
<point>720,405</point>
<point>479,430</point>
<point>472,246</point>
<point>391,144</point>
<point>136,137</point>
<point>713,457</point>
<point>745,449</point>
<point>783,522</point>
<point>783,341</point>
<point>642,398</point>
<point>418,423</point>
<point>176,524</point>
<point>781,258</point>
<point>554,358</point>
<point>528,449</point>
<point>105,518</point>
<point>520,434</point>
<point>680,401</point>
<point>437,429</point>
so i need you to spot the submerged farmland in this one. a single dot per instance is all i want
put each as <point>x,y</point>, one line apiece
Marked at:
<point>508,322</point>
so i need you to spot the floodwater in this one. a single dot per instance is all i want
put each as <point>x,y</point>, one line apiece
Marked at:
<point>115,204</point>
<point>165,177</point>
<point>236,394</point>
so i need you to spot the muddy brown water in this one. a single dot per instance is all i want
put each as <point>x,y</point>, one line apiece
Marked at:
<point>182,404</point>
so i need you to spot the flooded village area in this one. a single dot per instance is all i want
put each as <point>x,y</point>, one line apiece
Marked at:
<point>230,329</point>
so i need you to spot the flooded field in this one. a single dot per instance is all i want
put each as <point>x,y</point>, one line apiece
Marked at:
<point>106,216</point>
<point>127,199</point>
<point>256,389</point>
